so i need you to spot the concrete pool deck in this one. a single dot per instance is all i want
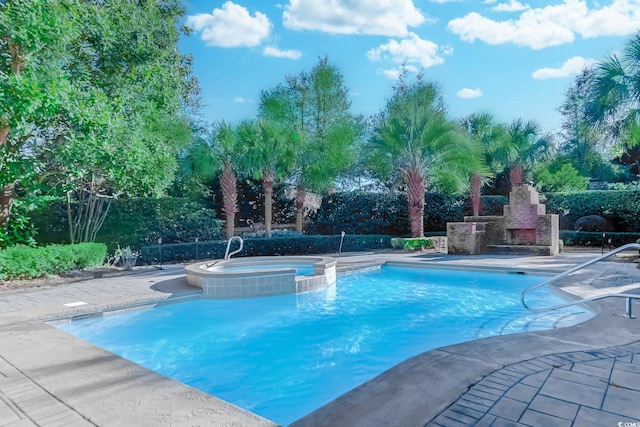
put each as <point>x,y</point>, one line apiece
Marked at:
<point>587,375</point>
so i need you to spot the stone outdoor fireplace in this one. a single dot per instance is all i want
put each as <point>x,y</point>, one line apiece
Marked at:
<point>525,227</point>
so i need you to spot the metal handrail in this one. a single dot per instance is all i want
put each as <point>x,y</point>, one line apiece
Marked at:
<point>228,255</point>
<point>629,297</point>
<point>573,270</point>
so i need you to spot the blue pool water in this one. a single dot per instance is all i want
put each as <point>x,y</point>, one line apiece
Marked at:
<point>285,356</point>
<point>301,269</point>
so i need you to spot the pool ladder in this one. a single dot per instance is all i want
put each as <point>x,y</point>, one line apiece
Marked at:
<point>228,255</point>
<point>629,297</point>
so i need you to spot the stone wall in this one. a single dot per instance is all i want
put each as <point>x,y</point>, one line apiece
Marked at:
<point>465,238</point>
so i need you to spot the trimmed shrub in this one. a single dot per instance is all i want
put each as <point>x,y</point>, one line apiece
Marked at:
<point>295,245</point>
<point>386,213</point>
<point>361,213</point>
<point>583,238</point>
<point>593,223</point>
<point>493,205</point>
<point>411,243</point>
<point>137,221</point>
<point>621,208</point>
<point>23,262</point>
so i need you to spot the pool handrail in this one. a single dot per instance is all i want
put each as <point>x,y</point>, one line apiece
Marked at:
<point>228,255</point>
<point>573,270</point>
<point>628,307</point>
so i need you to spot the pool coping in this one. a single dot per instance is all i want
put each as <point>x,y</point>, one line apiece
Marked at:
<point>89,385</point>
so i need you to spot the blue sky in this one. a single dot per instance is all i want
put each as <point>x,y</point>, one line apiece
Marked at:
<point>509,58</point>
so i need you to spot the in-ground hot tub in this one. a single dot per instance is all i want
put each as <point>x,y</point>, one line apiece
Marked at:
<point>261,276</point>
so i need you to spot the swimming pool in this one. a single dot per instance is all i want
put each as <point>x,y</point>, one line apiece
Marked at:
<point>285,356</point>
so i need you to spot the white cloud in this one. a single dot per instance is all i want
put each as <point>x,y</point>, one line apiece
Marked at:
<point>231,26</point>
<point>571,66</point>
<point>469,93</point>
<point>373,17</point>
<point>412,50</point>
<point>551,25</point>
<point>279,53</point>
<point>394,73</point>
<point>512,6</point>
<point>242,100</point>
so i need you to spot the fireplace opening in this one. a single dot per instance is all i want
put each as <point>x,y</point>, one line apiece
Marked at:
<point>523,236</point>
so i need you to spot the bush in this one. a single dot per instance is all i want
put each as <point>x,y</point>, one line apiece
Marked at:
<point>583,238</point>
<point>361,213</point>
<point>296,245</point>
<point>137,221</point>
<point>23,262</point>
<point>411,243</point>
<point>619,207</point>
<point>593,223</point>
<point>386,213</point>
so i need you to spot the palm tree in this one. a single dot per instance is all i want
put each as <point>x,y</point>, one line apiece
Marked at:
<point>525,144</point>
<point>215,153</point>
<point>615,93</point>
<point>413,138</point>
<point>490,137</point>
<point>270,155</point>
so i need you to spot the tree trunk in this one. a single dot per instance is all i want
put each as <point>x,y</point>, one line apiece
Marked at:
<point>91,211</point>
<point>300,195</point>
<point>475,185</point>
<point>267,185</point>
<point>7,194</point>
<point>230,225</point>
<point>4,134</point>
<point>228,185</point>
<point>415,181</point>
<point>516,175</point>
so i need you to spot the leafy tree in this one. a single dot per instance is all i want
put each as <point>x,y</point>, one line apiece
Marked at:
<point>558,176</point>
<point>614,102</point>
<point>582,144</point>
<point>315,107</point>
<point>528,143</point>
<point>413,139</point>
<point>270,151</point>
<point>216,154</point>
<point>35,38</point>
<point>97,93</point>
<point>615,93</point>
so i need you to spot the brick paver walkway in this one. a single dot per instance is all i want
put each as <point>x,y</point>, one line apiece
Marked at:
<point>582,388</point>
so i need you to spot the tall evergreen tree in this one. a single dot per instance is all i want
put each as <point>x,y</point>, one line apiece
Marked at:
<point>317,111</point>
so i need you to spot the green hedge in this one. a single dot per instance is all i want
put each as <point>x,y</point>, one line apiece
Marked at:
<point>386,213</point>
<point>296,245</point>
<point>135,222</point>
<point>23,262</point>
<point>583,238</point>
<point>621,208</point>
<point>411,243</point>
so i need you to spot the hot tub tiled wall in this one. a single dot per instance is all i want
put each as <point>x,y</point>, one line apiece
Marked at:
<point>248,284</point>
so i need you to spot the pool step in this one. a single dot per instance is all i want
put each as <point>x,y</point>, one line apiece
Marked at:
<point>348,267</point>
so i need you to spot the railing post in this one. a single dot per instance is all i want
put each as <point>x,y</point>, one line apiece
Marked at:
<point>629,309</point>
